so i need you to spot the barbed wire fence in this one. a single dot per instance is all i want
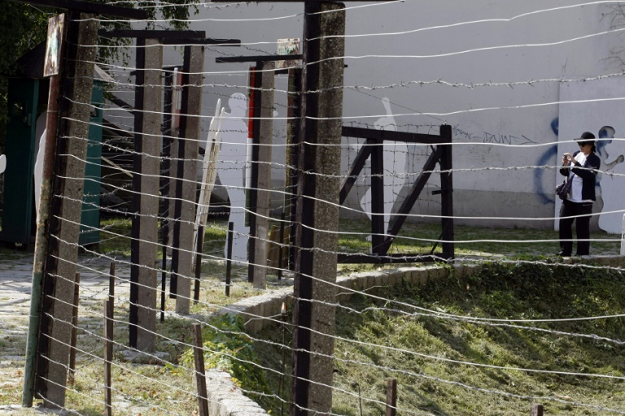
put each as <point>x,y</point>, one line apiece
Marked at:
<point>165,139</point>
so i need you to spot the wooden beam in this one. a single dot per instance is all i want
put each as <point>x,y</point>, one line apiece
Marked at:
<point>208,41</point>
<point>263,58</point>
<point>355,169</point>
<point>89,7</point>
<point>360,258</point>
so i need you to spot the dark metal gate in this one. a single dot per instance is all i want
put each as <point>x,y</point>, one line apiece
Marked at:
<point>380,241</point>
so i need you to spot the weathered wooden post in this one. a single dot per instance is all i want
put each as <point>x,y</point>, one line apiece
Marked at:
<point>108,357</point>
<point>391,397</point>
<point>200,376</point>
<point>262,204</point>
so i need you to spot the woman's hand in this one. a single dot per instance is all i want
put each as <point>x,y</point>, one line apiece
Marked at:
<point>566,159</point>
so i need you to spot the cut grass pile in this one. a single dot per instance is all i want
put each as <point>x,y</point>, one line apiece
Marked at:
<point>446,364</point>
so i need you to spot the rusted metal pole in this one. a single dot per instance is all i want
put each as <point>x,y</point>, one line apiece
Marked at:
<point>41,239</point>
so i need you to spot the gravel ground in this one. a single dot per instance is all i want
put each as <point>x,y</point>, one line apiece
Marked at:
<point>15,289</point>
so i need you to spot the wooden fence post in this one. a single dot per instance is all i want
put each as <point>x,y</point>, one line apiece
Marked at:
<point>108,356</point>
<point>391,397</point>
<point>198,355</point>
<point>537,409</point>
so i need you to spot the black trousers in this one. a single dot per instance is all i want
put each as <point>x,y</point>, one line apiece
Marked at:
<point>568,213</point>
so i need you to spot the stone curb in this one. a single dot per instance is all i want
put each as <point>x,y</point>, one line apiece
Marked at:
<point>261,311</point>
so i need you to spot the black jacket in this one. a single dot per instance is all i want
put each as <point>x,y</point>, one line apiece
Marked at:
<point>588,173</point>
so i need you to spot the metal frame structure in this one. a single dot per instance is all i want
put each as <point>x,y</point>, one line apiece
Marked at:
<point>373,148</point>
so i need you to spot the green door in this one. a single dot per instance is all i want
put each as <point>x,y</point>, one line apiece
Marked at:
<point>90,217</point>
<point>18,194</point>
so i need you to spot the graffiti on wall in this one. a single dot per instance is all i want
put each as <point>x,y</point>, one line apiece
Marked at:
<point>609,180</point>
<point>589,107</point>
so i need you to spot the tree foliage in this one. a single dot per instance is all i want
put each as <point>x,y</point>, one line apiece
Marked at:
<point>23,26</point>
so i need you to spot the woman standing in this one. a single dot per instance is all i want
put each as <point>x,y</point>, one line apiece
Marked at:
<point>581,168</point>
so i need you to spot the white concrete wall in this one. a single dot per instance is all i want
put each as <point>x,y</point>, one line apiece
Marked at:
<point>497,126</point>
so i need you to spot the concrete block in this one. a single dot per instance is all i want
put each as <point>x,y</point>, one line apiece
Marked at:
<point>419,277</point>
<point>438,273</point>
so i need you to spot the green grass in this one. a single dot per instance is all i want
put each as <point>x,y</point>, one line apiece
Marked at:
<point>425,384</point>
<point>420,238</point>
<point>396,341</point>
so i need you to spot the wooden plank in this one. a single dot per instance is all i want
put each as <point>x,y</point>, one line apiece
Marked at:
<point>391,397</point>
<point>355,169</point>
<point>108,358</point>
<point>200,377</point>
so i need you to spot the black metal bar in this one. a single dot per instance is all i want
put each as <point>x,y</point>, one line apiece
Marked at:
<point>164,182</point>
<point>447,188</point>
<point>295,117</point>
<point>388,259</point>
<point>303,290</point>
<point>281,242</point>
<point>152,34</point>
<point>90,7</point>
<point>121,103</point>
<point>398,136</point>
<point>355,169</point>
<point>208,41</point>
<point>198,264</point>
<point>173,280</point>
<point>229,257</point>
<point>258,82</point>
<point>260,58</point>
<point>398,219</point>
<point>377,198</point>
